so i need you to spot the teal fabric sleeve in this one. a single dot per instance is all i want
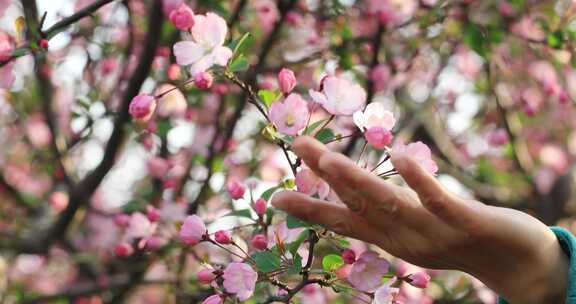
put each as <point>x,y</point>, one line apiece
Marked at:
<point>568,243</point>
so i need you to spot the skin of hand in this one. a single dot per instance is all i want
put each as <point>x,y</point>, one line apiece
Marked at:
<point>511,252</point>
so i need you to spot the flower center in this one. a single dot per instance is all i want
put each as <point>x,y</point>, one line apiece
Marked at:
<point>290,120</point>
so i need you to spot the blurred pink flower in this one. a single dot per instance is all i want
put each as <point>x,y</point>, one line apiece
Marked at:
<point>158,166</point>
<point>37,131</point>
<point>349,256</point>
<point>235,189</point>
<point>203,80</point>
<point>418,279</point>
<point>206,276</point>
<point>58,200</point>
<point>419,152</point>
<point>260,206</point>
<point>339,96</point>
<point>169,5</point>
<point>223,237</point>
<point>259,242</point>
<point>290,115</point>
<point>193,230</point>
<point>380,75</point>
<point>207,46</point>
<point>172,104</point>
<point>213,299</point>
<point>309,183</point>
<point>240,279</point>
<point>139,227</point>
<point>366,273</point>
<point>528,29</point>
<point>385,294</point>
<point>498,137</point>
<point>123,250</point>
<point>267,13</point>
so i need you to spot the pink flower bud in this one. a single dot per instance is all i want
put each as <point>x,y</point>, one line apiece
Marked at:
<point>58,200</point>
<point>193,230</point>
<point>152,214</point>
<point>286,80</point>
<point>142,107</point>
<point>498,138</point>
<point>349,256</point>
<point>182,17</point>
<point>121,220</point>
<point>203,80</point>
<point>260,206</point>
<point>418,279</point>
<point>43,43</point>
<point>259,242</point>
<point>206,276</point>
<point>564,97</point>
<point>223,237</point>
<point>235,190</point>
<point>123,250</point>
<point>155,242</point>
<point>378,137</point>
<point>174,72</point>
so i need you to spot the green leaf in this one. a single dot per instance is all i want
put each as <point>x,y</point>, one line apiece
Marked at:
<point>268,193</point>
<point>240,213</point>
<point>163,127</point>
<point>239,64</point>
<point>293,246</point>
<point>293,222</point>
<point>296,266</point>
<point>325,135</point>
<point>266,261</point>
<point>238,46</point>
<point>269,97</point>
<point>314,126</point>
<point>332,262</point>
<point>474,38</point>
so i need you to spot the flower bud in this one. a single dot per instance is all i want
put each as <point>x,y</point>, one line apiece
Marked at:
<point>121,220</point>
<point>378,137</point>
<point>123,250</point>
<point>418,279</point>
<point>203,80</point>
<point>192,231</point>
<point>260,206</point>
<point>235,190</point>
<point>43,43</point>
<point>259,242</point>
<point>142,107</point>
<point>223,237</point>
<point>349,256</point>
<point>206,276</point>
<point>286,80</point>
<point>182,17</point>
<point>152,214</point>
<point>498,138</point>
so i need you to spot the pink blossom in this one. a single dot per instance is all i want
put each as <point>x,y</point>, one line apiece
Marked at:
<point>206,48</point>
<point>498,137</point>
<point>37,131</point>
<point>203,80</point>
<point>260,206</point>
<point>123,250</point>
<point>366,273</point>
<point>378,137</point>
<point>206,276</point>
<point>158,166</point>
<point>418,279</point>
<point>6,76</point>
<point>554,157</point>
<point>172,104</point>
<point>139,226</point>
<point>58,200</point>
<point>339,96</point>
<point>43,44</point>
<point>259,242</point>
<point>142,107</point>
<point>240,279</point>
<point>153,214</point>
<point>385,294</point>
<point>349,256</point>
<point>286,80</point>
<point>291,115</point>
<point>267,13</point>
<point>182,17</point>
<point>122,220</point>
<point>380,76</point>
<point>6,46</point>
<point>169,5</point>
<point>193,230</point>
<point>155,242</point>
<point>528,29</point>
<point>223,237</point>
<point>108,65</point>
<point>374,116</point>
<point>309,183</point>
<point>419,152</point>
<point>213,299</point>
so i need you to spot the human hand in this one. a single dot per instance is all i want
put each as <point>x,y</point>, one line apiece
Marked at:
<point>511,252</point>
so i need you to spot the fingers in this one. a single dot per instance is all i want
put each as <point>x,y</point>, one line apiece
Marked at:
<point>451,209</point>
<point>310,150</point>
<point>338,219</point>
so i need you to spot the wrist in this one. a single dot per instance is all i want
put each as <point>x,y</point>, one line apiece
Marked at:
<point>540,276</point>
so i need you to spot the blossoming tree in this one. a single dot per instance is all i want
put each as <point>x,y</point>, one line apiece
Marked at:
<point>144,139</point>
